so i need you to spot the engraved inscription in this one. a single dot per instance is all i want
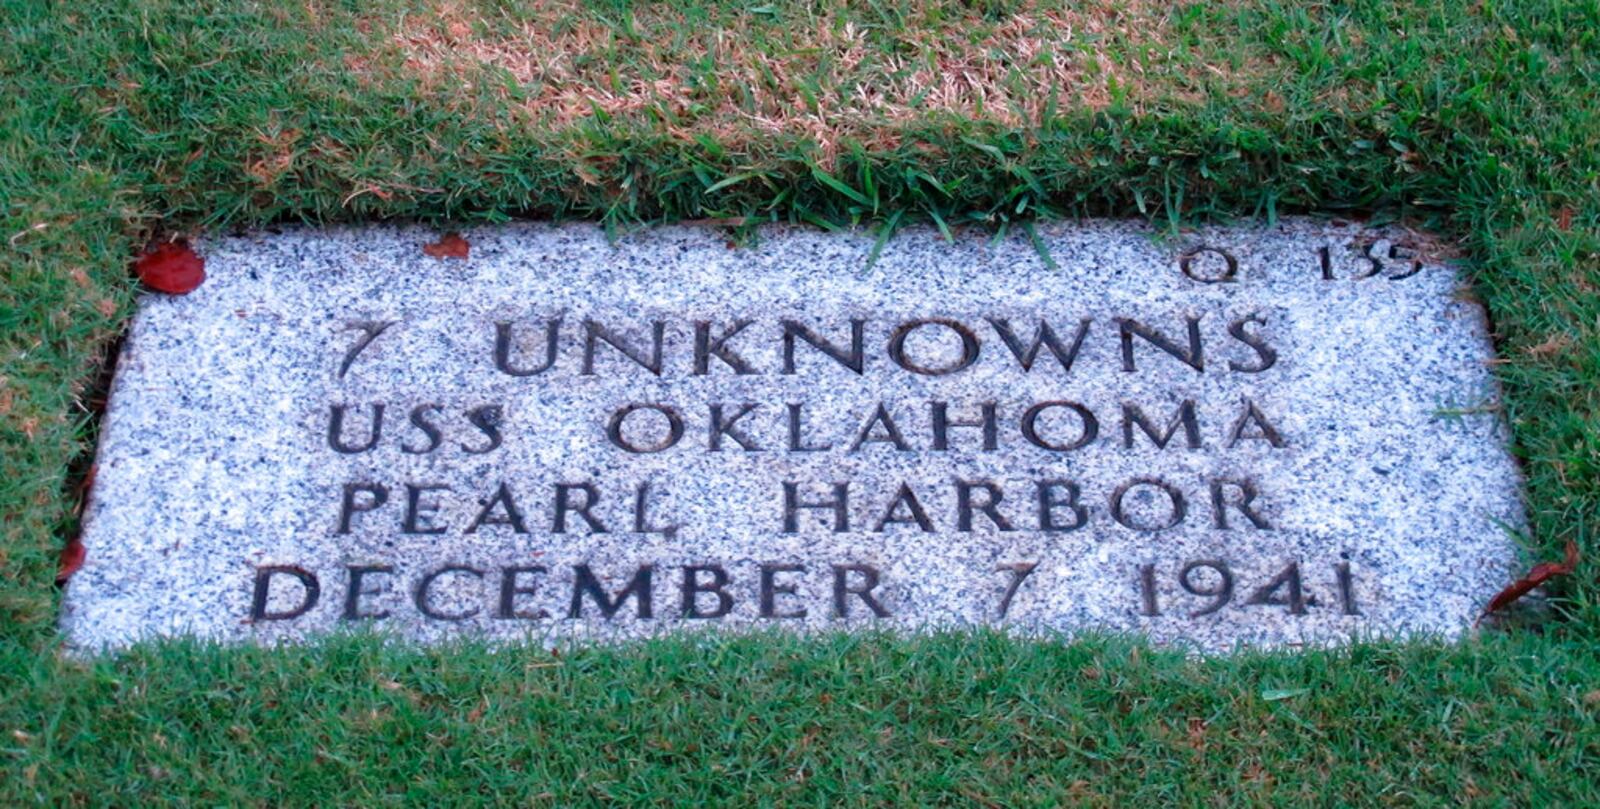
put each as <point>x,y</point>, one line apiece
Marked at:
<point>1143,502</point>
<point>1240,438</point>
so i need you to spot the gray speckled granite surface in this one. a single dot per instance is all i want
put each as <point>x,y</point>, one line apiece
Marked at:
<point>1344,479</point>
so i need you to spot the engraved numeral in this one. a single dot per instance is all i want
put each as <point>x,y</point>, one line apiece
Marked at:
<point>1288,580</point>
<point>1347,594</point>
<point>1220,593</point>
<point>1019,571</point>
<point>1214,583</point>
<point>370,329</point>
<point>1377,262</point>
<point>1147,588</point>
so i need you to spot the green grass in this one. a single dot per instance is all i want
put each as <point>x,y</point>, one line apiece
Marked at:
<point>121,119</point>
<point>958,719</point>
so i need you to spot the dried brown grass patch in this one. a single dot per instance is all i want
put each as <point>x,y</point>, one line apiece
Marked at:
<point>1555,345</point>
<point>275,157</point>
<point>824,72</point>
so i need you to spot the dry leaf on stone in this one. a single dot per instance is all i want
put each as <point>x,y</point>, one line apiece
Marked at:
<point>172,268</point>
<point>450,245</point>
<point>72,556</point>
<point>73,553</point>
<point>1541,573</point>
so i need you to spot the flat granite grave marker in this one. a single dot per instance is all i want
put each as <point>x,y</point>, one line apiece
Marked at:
<point>1249,436</point>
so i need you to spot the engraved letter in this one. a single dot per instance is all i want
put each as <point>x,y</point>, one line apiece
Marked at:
<point>349,508</point>
<point>990,505</point>
<point>842,589</point>
<point>585,583</point>
<point>855,359</point>
<point>839,504</point>
<point>510,589</point>
<point>721,426</point>
<point>1130,327</point>
<point>513,517</point>
<point>1230,268</point>
<point>942,425</point>
<point>258,603</point>
<point>890,434</point>
<point>1263,431</point>
<point>420,420</point>
<point>1048,502</point>
<point>418,512</point>
<point>897,346</point>
<point>692,588</point>
<point>590,496</point>
<point>705,348</point>
<point>905,498</point>
<point>487,420</point>
<point>1043,336</point>
<point>1030,426</point>
<point>502,348</point>
<point>1268,357</point>
<point>1219,504</point>
<point>674,428</point>
<point>1132,415</point>
<point>641,518</point>
<point>1178,508</point>
<point>593,332</point>
<point>771,588</point>
<point>796,441</point>
<point>352,596</point>
<point>426,584</point>
<point>336,430</point>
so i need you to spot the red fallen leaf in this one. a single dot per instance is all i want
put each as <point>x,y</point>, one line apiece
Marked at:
<point>1564,218</point>
<point>171,268</point>
<point>1541,573</point>
<point>72,556</point>
<point>450,245</point>
<point>73,553</point>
